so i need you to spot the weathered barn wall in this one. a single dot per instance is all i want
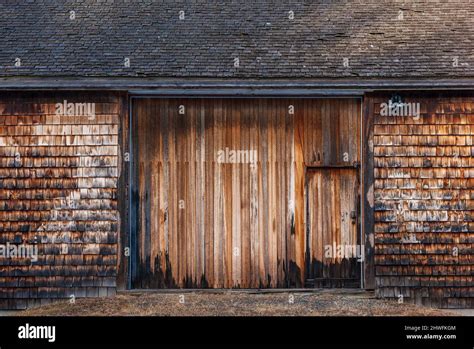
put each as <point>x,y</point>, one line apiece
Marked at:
<point>424,192</point>
<point>58,192</point>
<point>60,177</point>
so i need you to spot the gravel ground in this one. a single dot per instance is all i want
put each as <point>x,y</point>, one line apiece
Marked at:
<point>235,303</point>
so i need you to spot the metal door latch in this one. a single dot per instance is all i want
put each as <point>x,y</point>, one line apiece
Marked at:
<point>353,216</point>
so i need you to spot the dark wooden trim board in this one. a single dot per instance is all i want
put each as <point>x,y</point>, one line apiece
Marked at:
<point>368,194</point>
<point>123,193</point>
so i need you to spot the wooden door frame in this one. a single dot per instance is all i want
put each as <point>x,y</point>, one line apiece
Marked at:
<point>367,192</point>
<point>126,199</point>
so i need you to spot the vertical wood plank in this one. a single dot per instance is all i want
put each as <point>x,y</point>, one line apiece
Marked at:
<point>299,196</point>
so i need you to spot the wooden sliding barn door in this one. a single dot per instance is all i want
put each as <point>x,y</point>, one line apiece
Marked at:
<point>211,188</point>
<point>218,188</point>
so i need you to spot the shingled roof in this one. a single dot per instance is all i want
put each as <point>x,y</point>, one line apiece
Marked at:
<point>376,39</point>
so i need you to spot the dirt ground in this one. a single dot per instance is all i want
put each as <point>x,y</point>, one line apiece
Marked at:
<point>235,303</point>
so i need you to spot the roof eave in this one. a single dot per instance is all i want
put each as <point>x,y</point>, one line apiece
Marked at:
<point>232,85</point>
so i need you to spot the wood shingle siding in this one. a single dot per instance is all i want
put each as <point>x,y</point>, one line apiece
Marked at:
<point>424,201</point>
<point>58,191</point>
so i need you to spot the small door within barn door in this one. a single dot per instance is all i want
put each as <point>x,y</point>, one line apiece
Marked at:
<point>333,239</point>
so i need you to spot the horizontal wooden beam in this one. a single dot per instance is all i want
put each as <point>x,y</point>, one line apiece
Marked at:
<point>232,86</point>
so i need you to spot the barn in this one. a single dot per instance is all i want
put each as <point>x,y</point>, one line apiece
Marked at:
<point>160,144</point>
